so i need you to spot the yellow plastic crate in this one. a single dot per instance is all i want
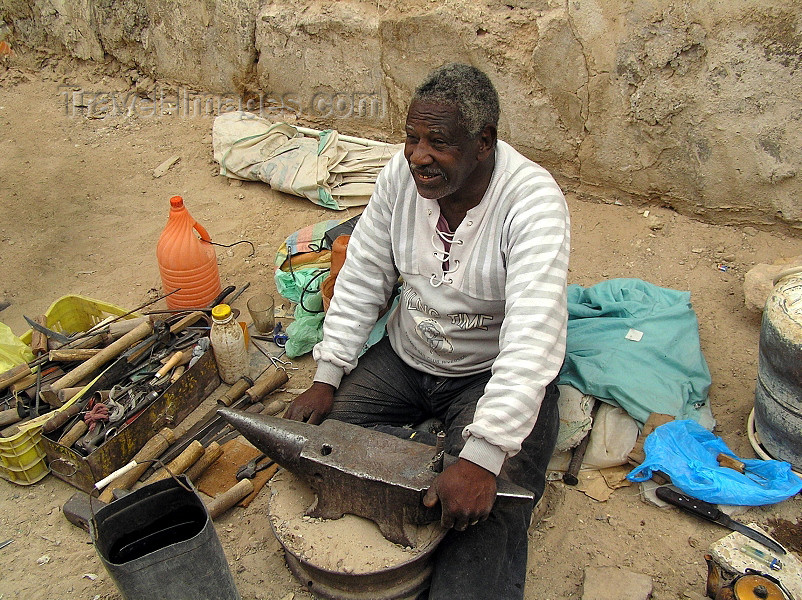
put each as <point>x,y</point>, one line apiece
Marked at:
<point>22,457</point>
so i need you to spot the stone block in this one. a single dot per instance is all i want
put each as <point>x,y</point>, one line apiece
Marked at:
<point>759,282</point>
<point>615,583</point>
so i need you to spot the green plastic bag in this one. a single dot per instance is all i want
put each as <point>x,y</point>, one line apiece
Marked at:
<point>13,351</point>
<point>292,285</point>
<point>305,331</point>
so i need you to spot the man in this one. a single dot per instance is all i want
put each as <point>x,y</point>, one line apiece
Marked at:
<point>479,236</point>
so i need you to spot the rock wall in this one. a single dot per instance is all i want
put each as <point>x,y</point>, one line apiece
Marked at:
<point>694,104</point>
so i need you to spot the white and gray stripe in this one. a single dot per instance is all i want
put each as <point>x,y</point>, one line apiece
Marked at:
<point>503,308</point>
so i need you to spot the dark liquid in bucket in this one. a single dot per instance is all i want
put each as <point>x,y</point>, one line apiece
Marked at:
<point>172,528</point>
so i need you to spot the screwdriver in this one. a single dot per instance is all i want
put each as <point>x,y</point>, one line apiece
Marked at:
<point>764,557</point>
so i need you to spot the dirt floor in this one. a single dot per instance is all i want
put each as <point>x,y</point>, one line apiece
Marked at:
<point>82,213</point>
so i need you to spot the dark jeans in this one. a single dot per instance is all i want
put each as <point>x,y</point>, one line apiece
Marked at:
<point>487,560</point>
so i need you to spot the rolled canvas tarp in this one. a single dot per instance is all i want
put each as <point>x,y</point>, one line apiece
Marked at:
<point>330,170</point>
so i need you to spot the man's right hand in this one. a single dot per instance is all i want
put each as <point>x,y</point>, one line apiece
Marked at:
<point>312,405</point>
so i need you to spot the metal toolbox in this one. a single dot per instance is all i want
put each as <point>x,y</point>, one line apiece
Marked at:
<point>22,456</point>
<point>172,407</point>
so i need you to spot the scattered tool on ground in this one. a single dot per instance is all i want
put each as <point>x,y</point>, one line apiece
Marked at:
<point>240,395</point>
<point>275,360</point>
<point>210,455</point>
<point>571,475</point>
<point>229,498</point>
<point>179,464</point>
<point>203,309</point>
<point>79,511</point>
<point>708,511</point>
<point>253,466</point>
<point>356,470</point>
<point>239,292</point>
<point>151,450</point>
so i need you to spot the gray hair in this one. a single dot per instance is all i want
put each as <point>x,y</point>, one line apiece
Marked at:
<point>467,88</point>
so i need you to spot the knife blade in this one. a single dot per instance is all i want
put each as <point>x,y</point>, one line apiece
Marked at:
<point>59,337</point>
<point>709,511</point>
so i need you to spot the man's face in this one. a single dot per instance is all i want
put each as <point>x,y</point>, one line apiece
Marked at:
<point>440,154</point>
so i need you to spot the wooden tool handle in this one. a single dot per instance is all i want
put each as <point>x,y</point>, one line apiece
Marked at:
<point>236,391</point>
<point>187,321</point>
<point>229,498</point>
<point>68,394</point>
<point>23,384</point>
<point>267,382</point>
<point>153,448</point>
<point>9,417</point>
<point>115,474</point>
<point>72,354</point>
<point>92,341</point>
<point>39,339</point>
<point>186,356</point>
<point>61,417</point>
<point>210,456</point>
<point>101,358</point>
<point>180,464</point>
<point>14,375</point>
<point>179,370</point>
<point>275,407</point>
<point>173,361</point>
<point>725,460</point>
<point>120,328</point>
<point>74,434</point>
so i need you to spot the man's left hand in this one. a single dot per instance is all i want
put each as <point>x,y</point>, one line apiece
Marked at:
<point>466,493</point>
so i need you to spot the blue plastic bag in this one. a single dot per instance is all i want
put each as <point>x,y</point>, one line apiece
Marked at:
<point>688,453</point>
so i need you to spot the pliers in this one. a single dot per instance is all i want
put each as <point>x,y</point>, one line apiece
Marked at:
<point>252,467</point>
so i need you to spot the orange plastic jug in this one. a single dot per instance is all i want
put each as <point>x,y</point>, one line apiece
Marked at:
<point>187,262</point>
<point>338,251</point>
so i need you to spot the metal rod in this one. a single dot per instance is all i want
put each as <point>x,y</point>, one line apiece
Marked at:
<point>122,316</point>
<point>345,138</point>
<point>239,293</point>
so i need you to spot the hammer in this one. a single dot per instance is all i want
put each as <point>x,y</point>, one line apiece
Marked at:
<point>571,475</point>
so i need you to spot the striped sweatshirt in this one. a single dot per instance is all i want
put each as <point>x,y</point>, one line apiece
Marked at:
<point>496,300</point>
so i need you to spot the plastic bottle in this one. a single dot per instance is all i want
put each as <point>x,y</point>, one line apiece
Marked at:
<point>228,345</point>
<point>185,261</point>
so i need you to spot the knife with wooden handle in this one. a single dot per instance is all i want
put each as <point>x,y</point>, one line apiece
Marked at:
<point>708,511</point>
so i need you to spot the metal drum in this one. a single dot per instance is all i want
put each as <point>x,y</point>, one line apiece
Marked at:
<point>404,579</point>
<point>778,396</point>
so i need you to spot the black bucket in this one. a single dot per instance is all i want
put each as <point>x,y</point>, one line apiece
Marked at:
<point>158,543</point>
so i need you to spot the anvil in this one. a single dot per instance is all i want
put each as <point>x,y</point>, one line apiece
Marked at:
<point>357,471</point>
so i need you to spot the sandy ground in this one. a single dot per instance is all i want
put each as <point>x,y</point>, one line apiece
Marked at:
<point>82,213</point>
